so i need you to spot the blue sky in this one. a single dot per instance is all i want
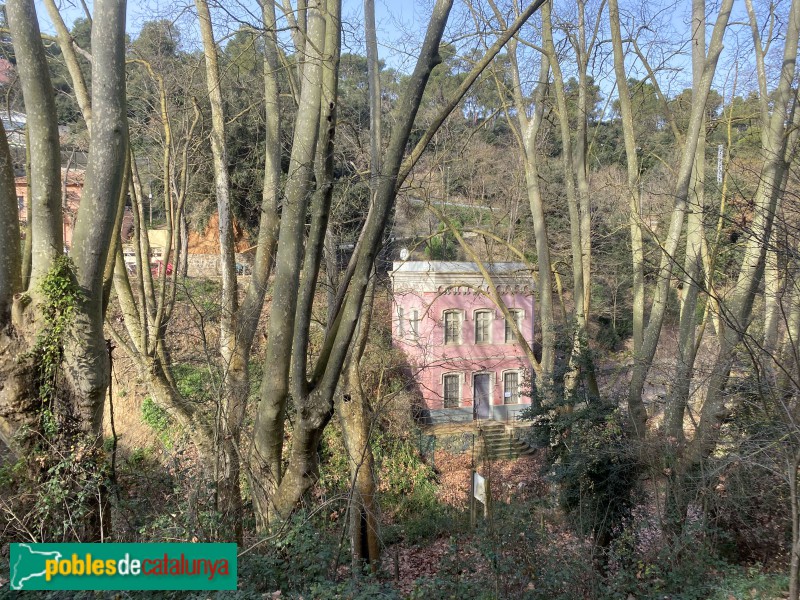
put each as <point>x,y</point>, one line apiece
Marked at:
<point>401,26</point>
<point>399,21</point>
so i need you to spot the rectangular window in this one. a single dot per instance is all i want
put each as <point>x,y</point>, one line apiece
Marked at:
<point>451,391</point>
<point>517,316</point>
<point>20,203</point>
<point>401,327</point>
<point>511,387</point>
<point>414,323</point>
<point>452,328</point>
<point>483,322</point>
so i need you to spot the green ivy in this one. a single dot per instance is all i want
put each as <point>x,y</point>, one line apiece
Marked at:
<point>61,295</point>
<point>159,420</point>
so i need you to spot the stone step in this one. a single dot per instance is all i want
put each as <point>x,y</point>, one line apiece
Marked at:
<point>508,452</point>
<point>503,439</point>
<point>494,435</point>
<point>494,440</point>
<point>506,446</point>
<point>500,444</point>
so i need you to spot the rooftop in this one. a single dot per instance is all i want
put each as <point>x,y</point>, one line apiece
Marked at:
<point>446,266</point>
<point>436,276</point>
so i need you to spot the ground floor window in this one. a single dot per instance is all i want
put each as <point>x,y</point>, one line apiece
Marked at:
<point>452,389</point>
<point>511,387</point>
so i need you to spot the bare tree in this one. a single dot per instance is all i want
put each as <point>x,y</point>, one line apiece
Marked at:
<point>526,132</point>
<point>353,407</point>
<point>738,305</point>
<point>84,364</point>
<point>312,387</point>
<point>651,333</point>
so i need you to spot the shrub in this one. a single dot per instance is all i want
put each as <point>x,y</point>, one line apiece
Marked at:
<point>593,464</point>
<point>158,419</point>
<point>684,569</point>
<point>747,583</point>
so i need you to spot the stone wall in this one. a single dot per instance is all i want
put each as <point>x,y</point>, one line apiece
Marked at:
<point>208,265</point>
<point>203,265</point>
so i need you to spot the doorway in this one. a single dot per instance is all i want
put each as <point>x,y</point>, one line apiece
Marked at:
<point>481,396</point>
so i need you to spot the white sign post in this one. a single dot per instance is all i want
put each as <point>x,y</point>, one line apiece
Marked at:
<point>480,492</point>
<point>479,487</point>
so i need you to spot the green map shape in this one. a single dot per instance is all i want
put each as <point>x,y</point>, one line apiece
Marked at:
<point>29,564</point>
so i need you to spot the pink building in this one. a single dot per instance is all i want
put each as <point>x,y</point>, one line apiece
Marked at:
<point>72,190</point>
<point>464,355</point>
<point>72,181</point>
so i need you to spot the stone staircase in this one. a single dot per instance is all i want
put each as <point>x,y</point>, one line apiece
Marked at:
<point>496,442</point>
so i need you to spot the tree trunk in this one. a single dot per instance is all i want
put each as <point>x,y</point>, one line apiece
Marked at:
<point>526,131</point>
<point>87,359</point>
<point>235,389</point>
<point>356,419</point>
<point>44,175</point>
<point>65,42</point>
<point>687,345</point>
<point>11,259</point>
<point>81,363</point>
<point>357,422</point>
<point>302,471</point>
<point>290,320</point>
<point>579,361</point>
<point>793,463</point>
<point>651,335</point>
<point>737,310</point>
<point>269,428</point>
<point>580,157</point>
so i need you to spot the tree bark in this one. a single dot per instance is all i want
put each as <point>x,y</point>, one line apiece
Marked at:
<point>238,326</point>
<point>87,358</point>
<point>44,175</point>
<point>652,333</point>
<point>269,428</point>
<point>579,361</point>
<point>356,418</point>
<point>84,366</point>
<point>66,42</point>
<point>314,399</point>
<point>11,259</point>
<point>687,344</point>
<point>353,407</point>
<point>738,309</point>
<point>526,132</point>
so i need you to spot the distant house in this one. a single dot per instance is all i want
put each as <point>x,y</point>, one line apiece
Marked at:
<point>464,355</point>
<point>6,73</point>
<point>14,124</point>
<point>72,190</point>
<point>156,239</point>
<point>72,182</point>
<point>203,258</point>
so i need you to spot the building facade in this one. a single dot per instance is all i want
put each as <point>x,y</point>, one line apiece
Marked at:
<point>71,192</point>
<point>462,352</point>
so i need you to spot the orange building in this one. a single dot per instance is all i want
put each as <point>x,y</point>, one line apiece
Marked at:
<point>72,182</point>
<point>71,192</point>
